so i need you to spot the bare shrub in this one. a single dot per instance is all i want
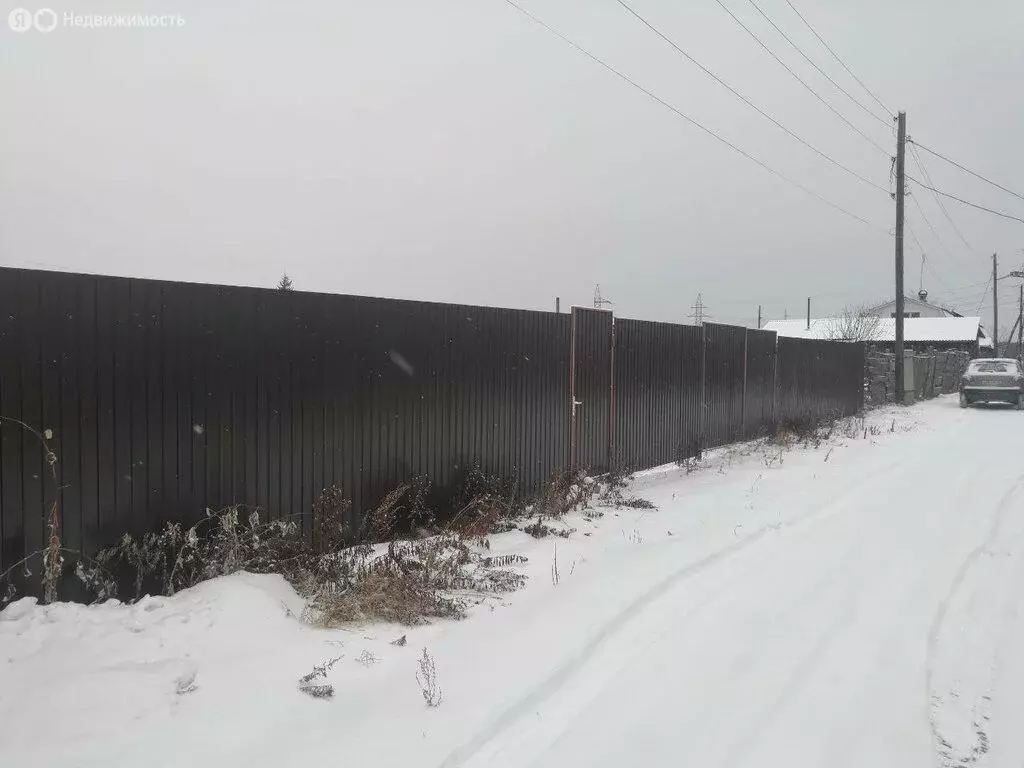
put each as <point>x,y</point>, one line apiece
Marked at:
<point>413,582</point>
<point>309,683</point>
<point>53,560</point>
<point>397,598</point>
<point>382,519</point>
<point>635,502</point>
<point>329,511</point>
<point>541,530</point>
<point>853,324</point>
<point>555,575</point>
<point>565,491</point>
<point>222,543</point>
<point>426,676</point>
<point>771,458</point>
<point>367,659</point>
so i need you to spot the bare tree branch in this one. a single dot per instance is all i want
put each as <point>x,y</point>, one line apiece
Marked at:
<point>853,324</point>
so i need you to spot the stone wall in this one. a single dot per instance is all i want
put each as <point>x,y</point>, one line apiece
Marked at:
<point>935,372</point>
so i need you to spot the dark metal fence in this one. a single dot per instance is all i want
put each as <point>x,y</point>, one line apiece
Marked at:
<point>817,380</point>
<point>759,388</point>
<point>657,393</point>
<point>724,360</point>
<point>165,399</point>
<point>590,388</point>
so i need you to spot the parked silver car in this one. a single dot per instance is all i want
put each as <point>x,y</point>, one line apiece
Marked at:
<point>992,380</point>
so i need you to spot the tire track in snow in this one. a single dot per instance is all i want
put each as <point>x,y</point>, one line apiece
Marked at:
<point>946,753</point>
<point>565,672</point>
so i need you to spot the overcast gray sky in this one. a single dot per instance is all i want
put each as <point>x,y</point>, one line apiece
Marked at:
<point>453,150</point>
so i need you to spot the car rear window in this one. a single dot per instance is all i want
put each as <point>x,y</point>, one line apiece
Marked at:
<point>993,367</point>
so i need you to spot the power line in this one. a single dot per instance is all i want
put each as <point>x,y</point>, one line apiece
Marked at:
<point>809,60</point>
<point>744,99</point>
<point>939,240</point>
<point>942,206</point>
<point>966,170</point>
<point>984,293</point>
<point>928,266</point>
<point>919,246</point>
<point>836,57</point>
<point>687,118</point>
<point>818,96</point>
<point>965,202</point>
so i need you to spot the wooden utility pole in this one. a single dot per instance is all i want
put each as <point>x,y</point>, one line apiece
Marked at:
<point>759,317</point>
<point>558,304</point>
<point>808,313</point>
<point>995,304</point>
<point>1020,328</point>
<point>901,148</point>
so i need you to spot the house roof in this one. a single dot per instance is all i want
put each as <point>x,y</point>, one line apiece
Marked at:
<point>917,303</point>
<point>915,329</point>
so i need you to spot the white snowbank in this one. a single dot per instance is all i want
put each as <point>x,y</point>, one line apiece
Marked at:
<point>762,599</point>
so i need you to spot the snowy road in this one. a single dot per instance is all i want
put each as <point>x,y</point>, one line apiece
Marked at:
<point>858,604</point>
<point>878,625</point>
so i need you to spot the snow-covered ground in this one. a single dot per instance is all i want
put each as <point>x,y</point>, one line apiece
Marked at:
<point>857,604</point>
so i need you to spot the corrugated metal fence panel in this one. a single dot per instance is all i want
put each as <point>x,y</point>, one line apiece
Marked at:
<point>818,380</point>
<point>168,398</point>
<point>657,393</point>
<point>723,384</point>
<point>759,397</point>
<point>591,382</point>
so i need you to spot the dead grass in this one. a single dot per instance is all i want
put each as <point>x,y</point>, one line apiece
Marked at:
<point>396,598</point>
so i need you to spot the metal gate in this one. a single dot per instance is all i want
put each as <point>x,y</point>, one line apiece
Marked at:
<point>591,398</point>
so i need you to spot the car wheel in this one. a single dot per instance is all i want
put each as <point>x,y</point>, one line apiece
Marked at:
<point>1020,402</point>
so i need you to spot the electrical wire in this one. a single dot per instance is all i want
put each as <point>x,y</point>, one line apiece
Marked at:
<point>919,246</point>
<point>942,206</point>
<point>965,169</point>
<point>929,268</point>
<point>816,95</point>
<point>687,118</point>
<point>836,57</point>
<point>745,100</point>
<point>984,293</point>
<point>935,234</point>
<point>928,264</point>
<point>965,202</point>
<point>809,60</point>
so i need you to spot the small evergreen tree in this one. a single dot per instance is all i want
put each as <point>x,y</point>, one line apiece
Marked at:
<point>285,283</point>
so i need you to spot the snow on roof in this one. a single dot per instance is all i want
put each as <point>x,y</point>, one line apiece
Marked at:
<point>915,329</point>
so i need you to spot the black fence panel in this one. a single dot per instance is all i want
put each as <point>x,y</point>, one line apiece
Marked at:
<point>165,399</point>
<point>591,383</point>
<point>160,400</point>
<point>723,384</point>
<point>759,392</point>
<point>818,380</point>
<point>657,393</point>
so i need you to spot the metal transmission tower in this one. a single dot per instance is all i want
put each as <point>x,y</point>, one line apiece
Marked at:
<point>599,301</point>
<point>700,311</point>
